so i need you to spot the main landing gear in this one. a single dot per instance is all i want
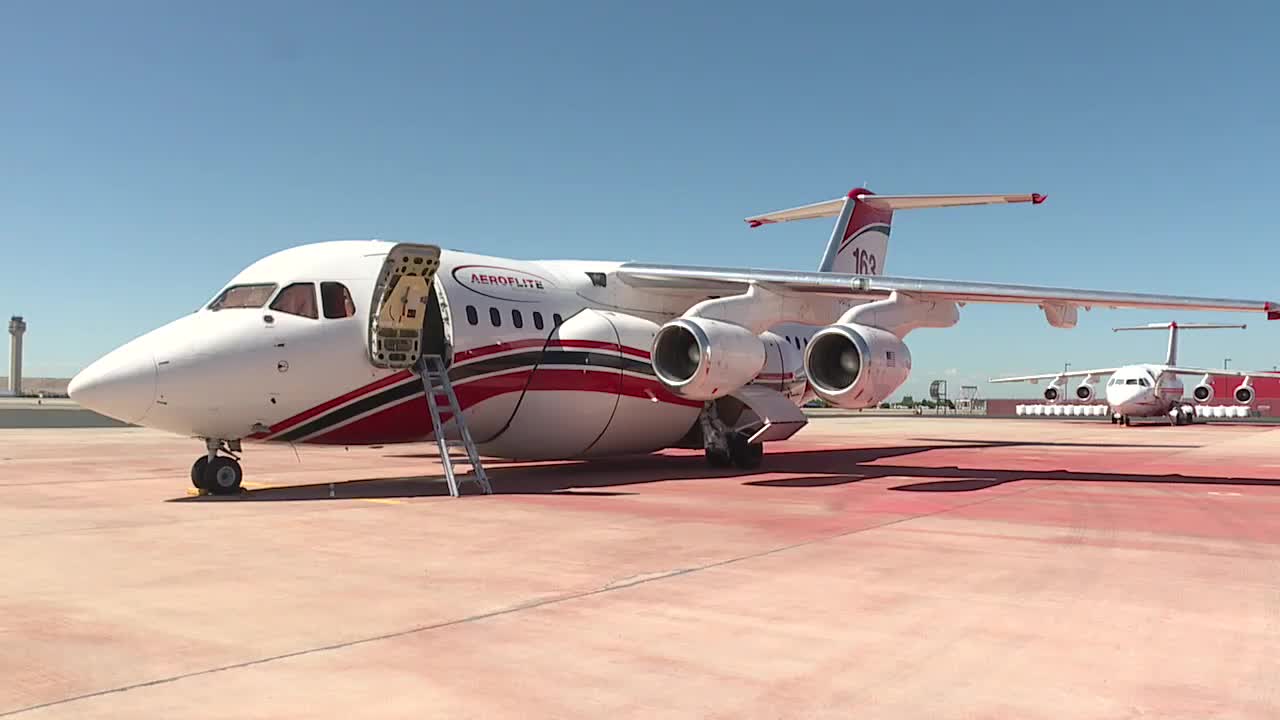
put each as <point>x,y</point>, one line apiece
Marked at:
<point>218,474</point>
<point>726,447</point>
<point>738,453</point>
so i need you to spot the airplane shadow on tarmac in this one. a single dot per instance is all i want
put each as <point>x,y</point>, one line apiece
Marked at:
<point>816,468</point>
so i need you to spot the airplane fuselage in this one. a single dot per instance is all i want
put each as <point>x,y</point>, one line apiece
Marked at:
<point>1143,391</point>
<point>548,359</point>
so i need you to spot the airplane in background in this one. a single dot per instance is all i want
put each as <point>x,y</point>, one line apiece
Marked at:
<point>324,343</point>
<point>1149,390</point>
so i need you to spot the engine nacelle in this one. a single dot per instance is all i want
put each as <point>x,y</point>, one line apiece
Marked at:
<point>1085,391</point>
<point>704,359</point>
<point>856,366</point>
<point>1053,393</point>
<point>1202,393</point>
<point>1244,394</point>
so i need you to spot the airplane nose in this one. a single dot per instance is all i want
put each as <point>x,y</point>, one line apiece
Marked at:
<point>121,384</point>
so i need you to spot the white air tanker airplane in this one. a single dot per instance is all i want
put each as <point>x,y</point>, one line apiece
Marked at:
<point>552,359</point>
<point>1148,390</point>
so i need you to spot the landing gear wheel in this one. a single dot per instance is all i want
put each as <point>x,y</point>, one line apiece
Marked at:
<point>197,472</point>
<point>1124,420</point>
<point>222,476</point>
<point>718,458</point>
<point>1114,420</point>
<point>745,455</point>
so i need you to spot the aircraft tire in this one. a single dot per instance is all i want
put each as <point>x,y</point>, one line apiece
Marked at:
<point>197,472</point>
<point>223,476</point>
<point>745,455</point>
<point>718,458</point>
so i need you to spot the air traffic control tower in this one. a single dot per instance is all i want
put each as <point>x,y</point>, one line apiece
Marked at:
<point>16,329</point>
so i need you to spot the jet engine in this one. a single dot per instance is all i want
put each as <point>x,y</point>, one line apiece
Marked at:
<point>1085,391</point>
<point>1053,393</point>
<point>1244,394</point>
<point>1203,392</point>
<point>856,366</point>
<point>704,359</point>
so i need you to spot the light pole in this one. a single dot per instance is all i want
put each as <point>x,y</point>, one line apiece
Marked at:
<point>1224,362</point>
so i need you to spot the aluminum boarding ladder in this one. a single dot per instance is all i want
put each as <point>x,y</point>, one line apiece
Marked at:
<point>435,381</point>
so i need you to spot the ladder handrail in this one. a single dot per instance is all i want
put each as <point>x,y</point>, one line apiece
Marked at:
<point>433,372</point>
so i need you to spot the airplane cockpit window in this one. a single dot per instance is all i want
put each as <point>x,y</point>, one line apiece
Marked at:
<point>243,296</point>
<point>1131,381</point>
<point>297,299</point>
<point>1144,382</point>
<point>336,300</point>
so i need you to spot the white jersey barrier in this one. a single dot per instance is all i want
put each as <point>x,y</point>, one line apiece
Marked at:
<point>1223,411</point>
<point>1063,410</point>
<point>1202,411</point>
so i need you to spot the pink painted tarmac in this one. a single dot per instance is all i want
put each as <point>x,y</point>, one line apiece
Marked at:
<point>876,568</point>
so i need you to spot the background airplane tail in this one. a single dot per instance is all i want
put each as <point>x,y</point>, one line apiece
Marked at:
<point>859,242</point>
<point>1171,357</point>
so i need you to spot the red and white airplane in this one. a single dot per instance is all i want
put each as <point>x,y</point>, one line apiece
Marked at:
<point>1149,389</point>
<point>552,359</point>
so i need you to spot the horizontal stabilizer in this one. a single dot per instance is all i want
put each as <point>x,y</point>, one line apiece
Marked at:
<point>831,208</point>
<point>1182,326</point>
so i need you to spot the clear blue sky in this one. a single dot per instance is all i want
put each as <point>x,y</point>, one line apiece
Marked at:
<point>148,151</point>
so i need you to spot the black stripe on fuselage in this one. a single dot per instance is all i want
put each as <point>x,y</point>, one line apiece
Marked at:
<point>457,374</point>
<point>363,405</point>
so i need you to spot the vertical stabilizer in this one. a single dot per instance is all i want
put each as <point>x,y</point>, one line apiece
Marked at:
<point>860,239</point>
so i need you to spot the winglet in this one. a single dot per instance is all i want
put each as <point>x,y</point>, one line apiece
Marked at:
<point>1037,198</point>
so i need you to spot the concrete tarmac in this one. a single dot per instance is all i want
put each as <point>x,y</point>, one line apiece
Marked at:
<point>875,568</point>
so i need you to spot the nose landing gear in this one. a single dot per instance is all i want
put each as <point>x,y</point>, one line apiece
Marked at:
<point>218,474</point>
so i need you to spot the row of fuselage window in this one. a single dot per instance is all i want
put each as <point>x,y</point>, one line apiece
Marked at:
<point>517,318</point>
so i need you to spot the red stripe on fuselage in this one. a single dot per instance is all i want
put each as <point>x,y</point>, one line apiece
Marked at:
<point>335,402</point>
<point>409,421</point>
<point>459,358</point>
<point>466,355</point>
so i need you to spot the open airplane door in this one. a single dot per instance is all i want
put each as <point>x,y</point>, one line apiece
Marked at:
<point>399,306</point>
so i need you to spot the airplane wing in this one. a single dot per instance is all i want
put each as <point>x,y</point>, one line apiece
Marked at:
<point>1220,373</point>
<point>1054,376</point>
<point>715,280</point>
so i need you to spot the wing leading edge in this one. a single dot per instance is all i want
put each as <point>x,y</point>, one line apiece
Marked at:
<point>1212,372</point>
<point>1055,376</point>
<point>714,280</point>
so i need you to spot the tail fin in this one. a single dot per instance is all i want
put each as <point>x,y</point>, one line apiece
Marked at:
<point>860,240</point>
<point>1171,358</point>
